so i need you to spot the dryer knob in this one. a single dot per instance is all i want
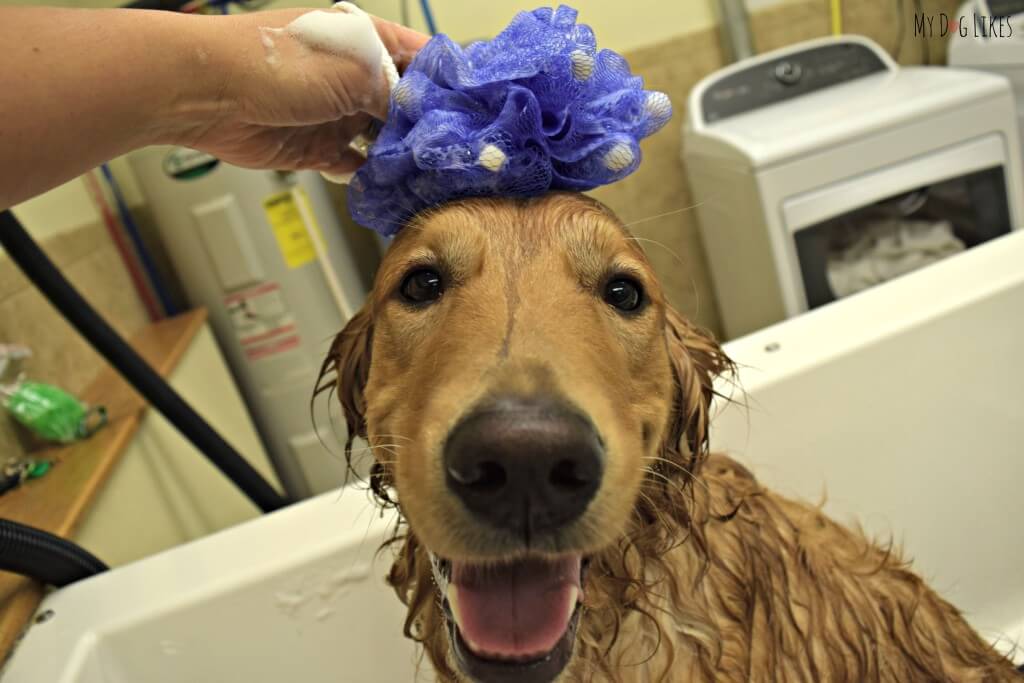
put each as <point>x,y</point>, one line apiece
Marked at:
<point>788,73</point>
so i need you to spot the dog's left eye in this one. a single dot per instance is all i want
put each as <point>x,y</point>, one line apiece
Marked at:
<point>624,294</point>
<point>422,286</point>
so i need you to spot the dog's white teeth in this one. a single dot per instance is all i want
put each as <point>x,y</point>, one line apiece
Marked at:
<point>453,602</point>
<point>574,594</point>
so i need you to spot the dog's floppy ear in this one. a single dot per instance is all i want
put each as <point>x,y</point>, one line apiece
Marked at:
<point>697,359</point>
<point>346,369</point>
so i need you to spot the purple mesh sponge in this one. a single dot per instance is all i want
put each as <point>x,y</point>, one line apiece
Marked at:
<point>538,108</point>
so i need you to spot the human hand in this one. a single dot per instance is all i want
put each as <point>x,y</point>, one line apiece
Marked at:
<point>286,95</point>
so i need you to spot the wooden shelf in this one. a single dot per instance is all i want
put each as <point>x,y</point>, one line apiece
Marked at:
<point>58,502</point>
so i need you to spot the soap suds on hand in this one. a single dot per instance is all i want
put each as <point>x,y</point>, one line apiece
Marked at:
<point>267,38</point>
<point>338,178</point>
<point>348,31</point>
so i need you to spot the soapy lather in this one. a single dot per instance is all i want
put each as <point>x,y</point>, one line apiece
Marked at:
<point>346,31</point>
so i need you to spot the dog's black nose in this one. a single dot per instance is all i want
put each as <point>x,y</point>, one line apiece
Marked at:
<point>524,465</point>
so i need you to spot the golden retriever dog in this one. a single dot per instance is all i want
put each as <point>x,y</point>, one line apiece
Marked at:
<point>539,415</point>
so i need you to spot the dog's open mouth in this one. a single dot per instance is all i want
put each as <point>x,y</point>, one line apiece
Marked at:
<point>515,620</point>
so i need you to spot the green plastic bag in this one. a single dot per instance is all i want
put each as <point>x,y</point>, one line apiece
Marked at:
<point>53,413</point>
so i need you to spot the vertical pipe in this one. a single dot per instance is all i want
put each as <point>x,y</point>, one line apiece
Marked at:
<point>141,249</point>
<point>322,257</point>
<point>128,256</point>
<point>734,26</point>
<point>428,17</point>
<point>836,11</point>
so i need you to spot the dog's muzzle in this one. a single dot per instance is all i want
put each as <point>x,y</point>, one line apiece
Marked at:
<point>525,469</point>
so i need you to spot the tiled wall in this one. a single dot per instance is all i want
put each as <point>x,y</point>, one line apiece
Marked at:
<point>656,200</point>
<point>90,261</point>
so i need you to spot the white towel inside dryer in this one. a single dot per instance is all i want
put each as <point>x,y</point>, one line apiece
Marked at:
<point>886,249</point>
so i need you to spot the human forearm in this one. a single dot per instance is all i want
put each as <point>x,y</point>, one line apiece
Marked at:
<point>79,87</point>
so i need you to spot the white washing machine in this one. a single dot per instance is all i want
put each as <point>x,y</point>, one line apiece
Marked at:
<point>989,35</point>
<point>824,169</point>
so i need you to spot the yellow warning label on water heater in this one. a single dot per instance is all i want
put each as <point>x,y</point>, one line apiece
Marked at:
<point>293,238</point>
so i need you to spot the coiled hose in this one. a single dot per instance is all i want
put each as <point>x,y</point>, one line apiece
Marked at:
<point>43,556</point>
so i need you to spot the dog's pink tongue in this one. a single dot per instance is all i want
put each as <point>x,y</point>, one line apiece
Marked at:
<point>517,610</point>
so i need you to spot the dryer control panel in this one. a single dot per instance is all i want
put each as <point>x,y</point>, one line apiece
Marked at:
<point>1004,8</point>
<point>788,76</point>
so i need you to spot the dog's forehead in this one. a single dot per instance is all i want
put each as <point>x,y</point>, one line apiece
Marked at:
<point>557,224</point>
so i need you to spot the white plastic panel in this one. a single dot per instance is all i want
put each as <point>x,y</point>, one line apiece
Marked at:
<point>902,405</point>
<point>298,595</point>
<point>275,375</point>
<point>223,232</point>
<point>320,464</point>
<point>843,114</point>
<point>163,492</point>
<point>833,200</point>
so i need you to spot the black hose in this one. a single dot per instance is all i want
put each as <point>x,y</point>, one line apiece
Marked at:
<point>77,311</point>
<point>167,5</point>
<point>43,556</point>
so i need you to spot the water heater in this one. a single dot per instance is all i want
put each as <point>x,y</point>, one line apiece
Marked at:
<point>266,253</point>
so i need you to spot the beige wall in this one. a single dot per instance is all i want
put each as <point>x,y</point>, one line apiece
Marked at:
<point>620,25</point>
<point>69,206</point>
<point>86,257</point>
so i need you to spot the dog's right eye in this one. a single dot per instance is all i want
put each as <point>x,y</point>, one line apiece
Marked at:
<point>422,286</point>
<point>624,294</point>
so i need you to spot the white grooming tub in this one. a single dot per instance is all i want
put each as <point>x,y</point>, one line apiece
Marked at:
<point>903,407</point>
<point>905,403</point>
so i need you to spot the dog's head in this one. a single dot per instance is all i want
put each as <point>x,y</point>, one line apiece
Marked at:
<point>534,401</point>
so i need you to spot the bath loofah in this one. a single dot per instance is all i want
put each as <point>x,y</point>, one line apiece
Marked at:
<point>537,108</point>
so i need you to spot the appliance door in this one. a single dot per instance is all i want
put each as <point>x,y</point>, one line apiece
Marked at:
<point>864,231</point>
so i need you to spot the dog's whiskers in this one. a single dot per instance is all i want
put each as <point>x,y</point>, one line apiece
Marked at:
<point>391,436</point>
<point>682,264</point>
<point>678,466</point>
<point>666,214</point>
<point>680,488</point>
<point>683,469</point>
<point>370,450</point>
<point>654,507</point>
<point>672,253</point>
<point>375,446</point>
